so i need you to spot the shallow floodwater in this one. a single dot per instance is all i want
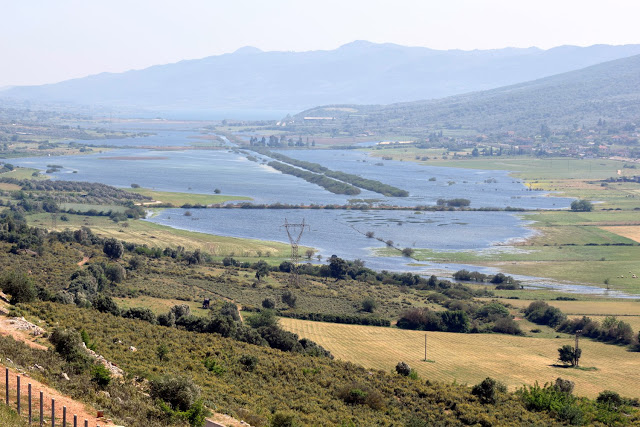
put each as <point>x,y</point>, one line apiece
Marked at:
<point>202,171</point>
<point>339,232</point>
<point>342,232</point>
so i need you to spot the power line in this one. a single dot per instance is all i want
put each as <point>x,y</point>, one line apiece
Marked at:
<point>294,231</point>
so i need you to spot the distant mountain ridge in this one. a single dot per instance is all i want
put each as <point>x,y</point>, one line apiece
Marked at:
<point>356,73</point>
<point>609,91</point>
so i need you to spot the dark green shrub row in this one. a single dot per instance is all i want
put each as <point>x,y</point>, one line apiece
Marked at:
<point>323,181</point>
<point>337,318</point>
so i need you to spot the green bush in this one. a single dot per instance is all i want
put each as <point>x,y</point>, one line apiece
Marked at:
<point>369,305</point>
<point>610,399</point>
<point>179,392</point>
<point>100,375</point>
<point>283,419</point>
<point>19,286</point>
<point>487,391</point>
<point>214,366</point>
<point>248,362</point>
<point>548,398</point>
<point>68,343</point>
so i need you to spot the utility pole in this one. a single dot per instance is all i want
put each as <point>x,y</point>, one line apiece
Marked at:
<point>578,332</point>
<point>425,347</point>
<point>294,231</point>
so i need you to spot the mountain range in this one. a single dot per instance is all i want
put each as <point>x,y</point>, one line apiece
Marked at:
<point>356,73</point>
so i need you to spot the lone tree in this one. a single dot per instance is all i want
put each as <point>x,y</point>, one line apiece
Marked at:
<point>338,267</point>
<point>289,298</point>
<point>581,206</point>
<point>408,252</point>
<point>262,270</point>
<point>570,355</point>
<point>113,248</point>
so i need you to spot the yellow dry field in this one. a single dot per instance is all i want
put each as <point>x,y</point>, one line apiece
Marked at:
<point>160,236</point>
<point>629,231</point>
<point>9,187</point>
<point>469,358</point>
<point>157,305</point>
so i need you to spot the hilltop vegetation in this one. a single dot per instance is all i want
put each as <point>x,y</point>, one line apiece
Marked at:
<point>607,91</point>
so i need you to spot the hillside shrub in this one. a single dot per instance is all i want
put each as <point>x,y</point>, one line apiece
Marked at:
<point>178,391</point>
<point>487,391</point>
<point>403,369</point>
<point>100,375</point>
<point>19,286</point>
<point>543,314</point>
<point>268,303</point>
<point>140,313</point>
<point>68,343</point>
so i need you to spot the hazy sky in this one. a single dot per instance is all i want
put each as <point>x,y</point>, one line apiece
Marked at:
<point>48,41</point>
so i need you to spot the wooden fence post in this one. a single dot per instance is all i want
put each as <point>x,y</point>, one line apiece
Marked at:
<point>75,420</point>
<point>18,389</point>
<point>64,416</point>
<point>86,423</point>
<point>41,409</point>
<point>30,410</point>
<point>53,413</point>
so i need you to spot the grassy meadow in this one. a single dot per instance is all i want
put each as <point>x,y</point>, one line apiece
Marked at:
<point>179,199</point>
<point>469,358</point>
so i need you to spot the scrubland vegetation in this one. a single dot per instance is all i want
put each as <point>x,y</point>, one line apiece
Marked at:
<point>254,369</point>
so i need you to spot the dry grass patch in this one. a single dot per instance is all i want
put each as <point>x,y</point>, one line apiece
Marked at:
<point>469,358</point>
<point>5,186</point>
<point>629,231</point>
<point>160,236</point>
<point>158,305</point>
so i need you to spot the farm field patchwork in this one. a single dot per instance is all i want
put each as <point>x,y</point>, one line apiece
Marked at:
<point>469,358</point>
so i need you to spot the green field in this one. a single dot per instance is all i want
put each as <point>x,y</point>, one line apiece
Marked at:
<point>23,173</point>
<point>84,207</point>
<point>179,199</point>
<point>469,358</point>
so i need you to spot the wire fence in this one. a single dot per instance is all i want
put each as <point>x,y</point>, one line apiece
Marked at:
<point>34,411</point>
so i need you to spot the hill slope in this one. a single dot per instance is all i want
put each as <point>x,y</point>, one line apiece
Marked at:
<point>359,72</point>
<point>609,90</point>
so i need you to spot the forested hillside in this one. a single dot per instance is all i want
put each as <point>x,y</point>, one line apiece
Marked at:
<point>608,91</point>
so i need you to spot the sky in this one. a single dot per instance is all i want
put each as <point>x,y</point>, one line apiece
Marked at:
<point>44,41</point>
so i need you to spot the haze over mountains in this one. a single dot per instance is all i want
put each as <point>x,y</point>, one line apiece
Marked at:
<point>356,73</point>
<point>609,91</point>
